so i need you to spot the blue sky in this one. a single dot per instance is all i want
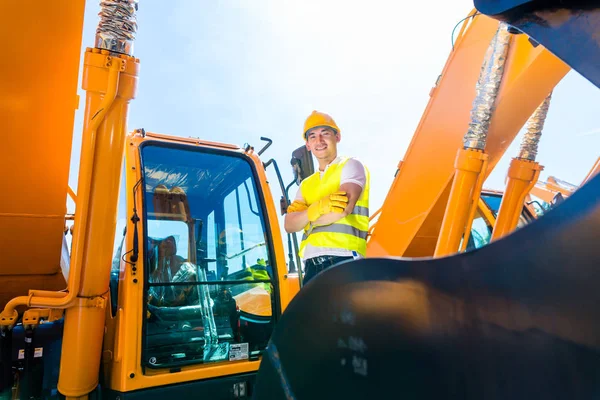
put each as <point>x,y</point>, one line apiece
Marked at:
<point>234,71</point>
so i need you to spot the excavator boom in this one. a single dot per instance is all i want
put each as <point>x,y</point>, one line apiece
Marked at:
<point>411,215</point>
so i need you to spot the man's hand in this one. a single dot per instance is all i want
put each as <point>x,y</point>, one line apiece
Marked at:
<point>296,206</point>
<point>335,202</point>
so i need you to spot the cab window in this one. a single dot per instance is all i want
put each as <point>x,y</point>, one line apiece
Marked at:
<point>210,294</point>
<point>481,232</point>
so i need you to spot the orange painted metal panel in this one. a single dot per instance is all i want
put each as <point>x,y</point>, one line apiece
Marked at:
<point>428,165</point>
<point>38,77</point>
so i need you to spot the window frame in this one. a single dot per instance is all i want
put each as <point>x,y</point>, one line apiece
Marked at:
<point>528,216</point>
<point>490,216</point>
<point>240,222</point>
<point>119,243</point>
<point>485,214</point>
<point>144,230</point>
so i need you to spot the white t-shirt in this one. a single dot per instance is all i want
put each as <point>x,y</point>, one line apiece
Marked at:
<point>352,172</point>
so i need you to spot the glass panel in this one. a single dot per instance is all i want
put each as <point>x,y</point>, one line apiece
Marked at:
<point>481,232</point>
<point>211,247</point>
<point>210,295</point>
<point>244,238</point>
<point>493,202</point>
<point>231,321</point>
<point>117,262</point>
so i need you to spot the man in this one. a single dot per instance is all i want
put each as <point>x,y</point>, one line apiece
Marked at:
<point>332,205</point>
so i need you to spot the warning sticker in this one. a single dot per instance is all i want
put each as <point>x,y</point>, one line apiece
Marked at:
<point>238,351</point>
<point>38,352</point>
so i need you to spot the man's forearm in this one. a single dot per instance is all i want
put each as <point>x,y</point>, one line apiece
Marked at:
<point>295,221</point>
<point>329,218</point>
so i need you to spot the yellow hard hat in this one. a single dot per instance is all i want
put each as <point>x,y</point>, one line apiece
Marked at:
<point>316,119</point>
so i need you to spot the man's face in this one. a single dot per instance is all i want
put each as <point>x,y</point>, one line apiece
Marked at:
<point>322,142</point>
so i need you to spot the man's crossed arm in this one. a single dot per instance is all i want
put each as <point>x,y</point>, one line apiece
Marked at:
<point>326,211</point>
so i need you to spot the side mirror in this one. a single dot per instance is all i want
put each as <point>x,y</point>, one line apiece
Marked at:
<point>302,164</point>
<point>558,198</point>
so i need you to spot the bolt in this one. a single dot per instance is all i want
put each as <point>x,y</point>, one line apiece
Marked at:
<point>135,280</point>
<point>132,375</point>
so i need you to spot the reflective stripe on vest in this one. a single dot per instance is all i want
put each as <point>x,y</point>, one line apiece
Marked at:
<point>343,228</point>
<point>358,210</point>
<point>338,228</point>
<point>350,232</point>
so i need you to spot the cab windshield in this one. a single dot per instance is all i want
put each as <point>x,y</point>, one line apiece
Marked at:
<point>209,286</point>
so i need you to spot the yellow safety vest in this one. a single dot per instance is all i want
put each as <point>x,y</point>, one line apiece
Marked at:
<point>348,233</point>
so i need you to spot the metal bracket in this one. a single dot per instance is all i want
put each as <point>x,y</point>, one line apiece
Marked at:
<point>34,316</point>
<point>8,321</point>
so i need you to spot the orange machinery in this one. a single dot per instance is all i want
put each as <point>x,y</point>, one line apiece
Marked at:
<point>433,200</point>
<point>121,313</point>
<point>177,271</point>
<point>514,319</point>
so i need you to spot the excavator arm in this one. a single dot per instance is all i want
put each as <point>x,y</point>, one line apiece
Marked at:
<point>411,216</point>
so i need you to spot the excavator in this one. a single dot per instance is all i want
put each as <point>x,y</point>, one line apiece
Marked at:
<point>176,282</point>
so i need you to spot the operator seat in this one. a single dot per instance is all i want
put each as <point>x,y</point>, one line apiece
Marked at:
<point>171,202</point>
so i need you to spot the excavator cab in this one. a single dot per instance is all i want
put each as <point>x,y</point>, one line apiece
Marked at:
<point>173,281</point>
<point>210,272</point>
